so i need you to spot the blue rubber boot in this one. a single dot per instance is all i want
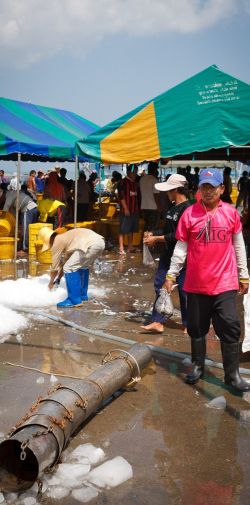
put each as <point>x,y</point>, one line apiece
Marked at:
<point>73,283</point>
<point>84,274</point>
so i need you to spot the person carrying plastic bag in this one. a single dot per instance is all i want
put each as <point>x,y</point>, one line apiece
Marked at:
<point>177,189</point>
<point>210,241</point>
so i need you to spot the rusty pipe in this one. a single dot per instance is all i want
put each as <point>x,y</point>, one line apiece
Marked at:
<point>37,441</point>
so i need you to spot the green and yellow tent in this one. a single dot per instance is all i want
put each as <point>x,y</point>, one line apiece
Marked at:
<point>208,113</point>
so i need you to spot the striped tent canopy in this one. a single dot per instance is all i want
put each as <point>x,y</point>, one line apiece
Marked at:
<point>206,116</point>
<point>40,133</point>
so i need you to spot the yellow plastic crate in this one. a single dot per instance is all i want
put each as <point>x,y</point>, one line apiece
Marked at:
<point>34,229</point>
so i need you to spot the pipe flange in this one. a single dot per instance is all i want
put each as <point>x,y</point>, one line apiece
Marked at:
<point>108,357</point>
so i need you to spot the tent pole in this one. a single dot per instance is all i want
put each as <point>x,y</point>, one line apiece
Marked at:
<point>17,202</point>
<point>76,181</point>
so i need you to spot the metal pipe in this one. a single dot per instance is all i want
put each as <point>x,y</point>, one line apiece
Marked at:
<point>37,441</point>
<point>17,203</point>
<point>76,185</point>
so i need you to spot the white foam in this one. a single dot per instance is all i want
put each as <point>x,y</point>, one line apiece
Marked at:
<point>87,452</point>
<point>10,322</point>
<point>84,494</point>
<point>218,403</point>
<point>111,473</point>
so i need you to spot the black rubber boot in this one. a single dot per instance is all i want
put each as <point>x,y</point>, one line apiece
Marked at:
<point>230,357</point>
<point>198,348</point>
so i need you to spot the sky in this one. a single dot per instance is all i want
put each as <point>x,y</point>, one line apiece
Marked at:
<point>102,58</point>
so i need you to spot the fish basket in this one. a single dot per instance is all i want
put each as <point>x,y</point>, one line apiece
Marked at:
<point>7,248</point>
<point>44,257</point>
<point>34,229</point>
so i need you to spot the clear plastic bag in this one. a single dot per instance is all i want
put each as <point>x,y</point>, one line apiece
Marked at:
<point>147,257</point>
<point>164,304</point>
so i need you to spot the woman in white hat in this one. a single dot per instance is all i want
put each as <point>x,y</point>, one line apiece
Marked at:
<point>177,190</point>
<point>72,253</point>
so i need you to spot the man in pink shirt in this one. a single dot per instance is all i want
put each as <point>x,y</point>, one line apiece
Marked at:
<point>210,239</point>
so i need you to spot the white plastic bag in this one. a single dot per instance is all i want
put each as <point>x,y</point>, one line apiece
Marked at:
<point>147,257</point>
<point>164,304</point>
<point>246,341</point>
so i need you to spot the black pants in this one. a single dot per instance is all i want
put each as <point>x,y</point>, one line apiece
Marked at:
<point>220,308</point>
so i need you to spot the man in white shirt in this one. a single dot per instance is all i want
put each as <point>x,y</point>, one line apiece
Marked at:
<point>149,197</point>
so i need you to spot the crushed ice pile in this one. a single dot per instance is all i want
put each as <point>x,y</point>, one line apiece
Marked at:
<point>76,478</point>
<point>34,293</point>
<point>10,322</point>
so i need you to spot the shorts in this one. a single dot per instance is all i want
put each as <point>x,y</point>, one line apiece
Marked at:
<point>129,224</point>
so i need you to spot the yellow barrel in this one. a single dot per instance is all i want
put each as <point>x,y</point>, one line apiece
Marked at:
<point>42,257</point>
<point>7,248</point>
<point>84,224</point>
<point>7,224</point>
<point>34,229</point>
<point>137,237</point>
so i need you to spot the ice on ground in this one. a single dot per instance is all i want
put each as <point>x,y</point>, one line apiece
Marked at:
<point>87,453</point>
<point>58,492</point>
<point>29,500</point>
<point>96,292</point>
<point>84,494</point>
<point>53,481</point>
<point>11,498</point>
<point>111,473</point>
<point>10,322</point>
<point>218,403</point>
<point>31,292</point>
<point>40,380</point>
<point>72,475</point>
<point>53,378</point>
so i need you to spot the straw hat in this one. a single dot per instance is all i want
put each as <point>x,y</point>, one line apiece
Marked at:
<point>44,235</point>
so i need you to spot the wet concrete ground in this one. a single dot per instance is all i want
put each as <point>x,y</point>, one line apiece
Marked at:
<point>181,451</point>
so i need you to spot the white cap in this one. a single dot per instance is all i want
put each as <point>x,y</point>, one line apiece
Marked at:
<point>173,182</point>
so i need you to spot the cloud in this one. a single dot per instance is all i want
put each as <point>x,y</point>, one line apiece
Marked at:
<point>35,30</point>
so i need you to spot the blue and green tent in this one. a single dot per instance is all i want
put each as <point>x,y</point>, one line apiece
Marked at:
<point>206,116</point>
<point>40,133</point>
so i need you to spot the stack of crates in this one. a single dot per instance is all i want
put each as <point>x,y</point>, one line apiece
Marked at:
<point>33,235</point>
